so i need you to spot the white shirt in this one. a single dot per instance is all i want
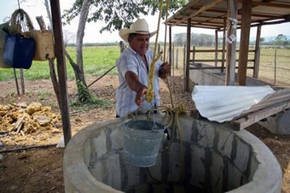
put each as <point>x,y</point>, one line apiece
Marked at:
<point>132,61</point>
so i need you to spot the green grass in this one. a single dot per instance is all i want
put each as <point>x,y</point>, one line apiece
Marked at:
<point>96,61</point>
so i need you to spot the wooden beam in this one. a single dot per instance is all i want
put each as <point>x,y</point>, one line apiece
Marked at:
<point>254,117</point>
<point>244,42</point>
<point>231,42</point>
<point>170,48</point>
<point>61,68</point>
<point>206,7</point>
<point>274,5</point>
<point>257,52</point>
<point>224,45</point>
<point>186,78</point>
<point>216,47</point>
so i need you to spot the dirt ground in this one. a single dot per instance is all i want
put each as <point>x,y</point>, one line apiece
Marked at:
<point>40,169</point>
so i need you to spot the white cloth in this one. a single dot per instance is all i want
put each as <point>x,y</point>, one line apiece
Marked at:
<point>131,61</point>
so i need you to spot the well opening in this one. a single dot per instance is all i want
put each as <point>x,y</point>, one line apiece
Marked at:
<point>212,158</point>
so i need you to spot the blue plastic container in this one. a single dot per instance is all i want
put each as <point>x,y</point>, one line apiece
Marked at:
<point>142,141</point>
<point>19,51</point>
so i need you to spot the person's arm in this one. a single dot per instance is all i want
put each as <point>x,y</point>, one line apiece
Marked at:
<point>134,84</point>
<point>164,70</point>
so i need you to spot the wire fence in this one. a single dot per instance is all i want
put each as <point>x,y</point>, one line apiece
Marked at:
<point>274,65</point>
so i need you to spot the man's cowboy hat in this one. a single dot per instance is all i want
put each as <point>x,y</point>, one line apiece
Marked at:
<point>139,27</point>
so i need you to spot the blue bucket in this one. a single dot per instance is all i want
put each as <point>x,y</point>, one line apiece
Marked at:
<point>142,140</point>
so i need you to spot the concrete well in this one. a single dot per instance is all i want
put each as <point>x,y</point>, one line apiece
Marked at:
<point>216,159</point>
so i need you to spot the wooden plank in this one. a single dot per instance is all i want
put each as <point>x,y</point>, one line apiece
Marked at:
<point>244,42</point>
<point>275,5</point>
<point>170,48</point>
<point>259,115</point>
<point>61,68</point>
<point>209,67</point>
<point>257,52</point>
<point>231,46</point>
<point>212,50</point>
<point>182,12</point>
<point>206,7</point>
<point>186,79</point>
<point>212,60</point>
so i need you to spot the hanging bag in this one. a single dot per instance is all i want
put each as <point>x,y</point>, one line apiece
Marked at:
<point>44,44</point>
<point>19,50</point>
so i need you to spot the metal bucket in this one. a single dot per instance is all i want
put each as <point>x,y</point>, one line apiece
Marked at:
<point>142,140</point>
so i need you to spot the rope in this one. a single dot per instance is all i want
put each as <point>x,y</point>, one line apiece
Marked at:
<point>150,91</point>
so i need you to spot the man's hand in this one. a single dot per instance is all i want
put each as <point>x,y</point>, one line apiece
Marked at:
<point>140,93</point>
<point>164,70</point>
<point>136,85</point>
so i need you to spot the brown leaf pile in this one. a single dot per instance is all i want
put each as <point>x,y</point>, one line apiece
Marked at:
<point>25,119</point>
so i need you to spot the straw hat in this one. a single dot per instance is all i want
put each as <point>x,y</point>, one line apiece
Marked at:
<point>139,27</point>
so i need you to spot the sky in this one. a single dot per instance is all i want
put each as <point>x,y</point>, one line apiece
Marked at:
<point>92,31</point>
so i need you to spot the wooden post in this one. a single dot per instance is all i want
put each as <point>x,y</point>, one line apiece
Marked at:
<point>224,45</point>
<point>257,53</point>
<point>22,81</point>
<point>176,58</point>
<point>275,67</point>
<point>184,60</point>
<point>216,48</point>
<point>172,60</point>
<point>244,42</point>
<point>122,46</point>
<point>231,42</point>
<point>61,68</point>
<point>170,48</point>
<point>16,82</point>
<point>193,54</point>
<point>186,84</point>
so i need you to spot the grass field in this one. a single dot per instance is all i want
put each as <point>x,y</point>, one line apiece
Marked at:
<point>97,60</point>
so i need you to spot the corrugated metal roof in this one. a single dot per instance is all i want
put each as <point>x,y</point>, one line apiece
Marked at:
<point>224,103</point>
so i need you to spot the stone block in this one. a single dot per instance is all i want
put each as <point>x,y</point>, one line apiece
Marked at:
<point>98,171</point>
<point>234,177</point>
<point>205,134</point>
<point>99,144</point>
<point>186,126</point>
<point>87,152</point>
<point>197,166</point>
<point>216,172</point>
<point>160,188</point>
<point>117,139</point>
<point>113,171</point>
<point>132,174</point>
<point>225,140</point>
<point>243,151</point>
<point>174,162</point>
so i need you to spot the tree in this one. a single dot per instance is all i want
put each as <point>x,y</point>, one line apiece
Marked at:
<point>116,14</point>
<point>281,40</point>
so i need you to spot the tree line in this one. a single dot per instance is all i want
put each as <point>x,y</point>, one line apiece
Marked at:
<point>209,40</point>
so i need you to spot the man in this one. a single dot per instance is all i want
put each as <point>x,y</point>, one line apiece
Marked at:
<point>133,67</point>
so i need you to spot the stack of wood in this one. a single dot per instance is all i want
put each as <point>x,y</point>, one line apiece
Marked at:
<point>24,119</point>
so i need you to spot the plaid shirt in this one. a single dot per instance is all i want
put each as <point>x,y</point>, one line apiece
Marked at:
<point>131,61</point>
